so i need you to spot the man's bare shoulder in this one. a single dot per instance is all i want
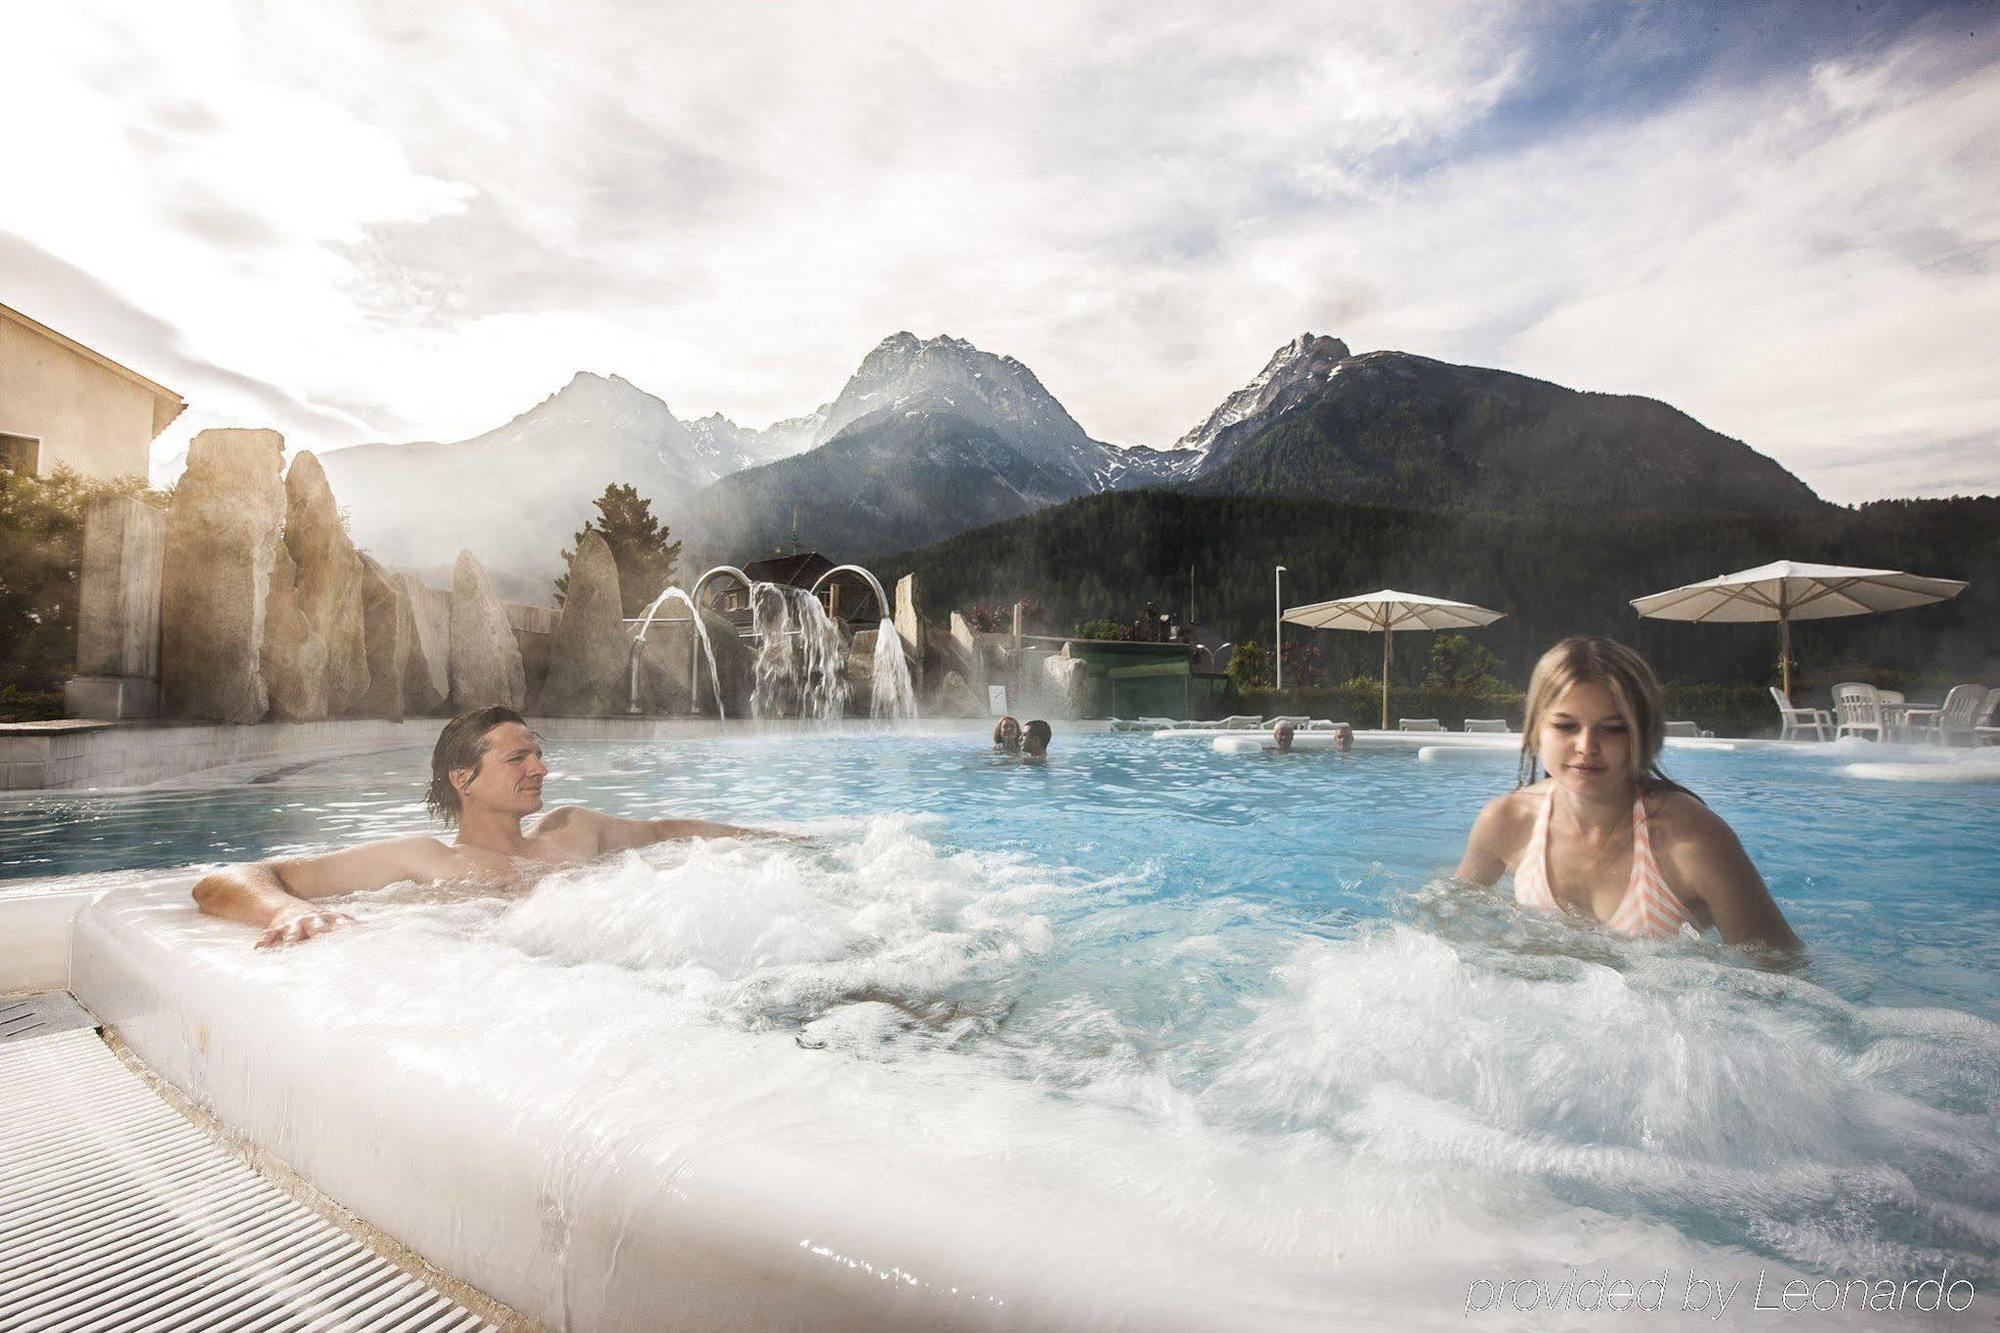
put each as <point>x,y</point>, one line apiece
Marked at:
<point>574,828</point>
<point>565,816</point>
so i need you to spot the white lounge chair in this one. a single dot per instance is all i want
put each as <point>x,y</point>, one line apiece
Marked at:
<point>1143,724</point>
<point>1796,720</point>
<point>1498,724</point>
<point>1328,724</point>
<point>1297,720</point>
<point>1964,708</point>
<point>1418,724</point>
<point>1857,710</point>
<point>1686,730</point>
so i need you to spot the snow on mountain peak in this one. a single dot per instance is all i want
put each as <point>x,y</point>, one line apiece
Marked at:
<point>1287,379</point>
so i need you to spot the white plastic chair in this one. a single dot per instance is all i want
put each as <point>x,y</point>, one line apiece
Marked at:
<point>1795,720</point>
<point>1418,724</point>
<point>1328,724</point>
<point>1963,709</point>
<point>1857,708</point>
<point>1297,720</point>
<point>1498,724</point>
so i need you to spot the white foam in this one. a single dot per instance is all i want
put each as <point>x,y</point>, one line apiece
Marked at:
<point>1964,766</point>
<point>747,1078</point>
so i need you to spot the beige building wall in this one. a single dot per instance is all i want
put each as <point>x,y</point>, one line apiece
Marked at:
<point>84,409</point>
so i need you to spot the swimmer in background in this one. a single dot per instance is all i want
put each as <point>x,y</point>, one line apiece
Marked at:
<point>486,777</point>
<point>1035,742</point>
<point>1285,732</point>
<point>1606,836</point>
<point>1007,736</point>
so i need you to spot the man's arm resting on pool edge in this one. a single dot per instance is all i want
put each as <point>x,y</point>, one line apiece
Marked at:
<point>276,895</point>
<point>613,834</point>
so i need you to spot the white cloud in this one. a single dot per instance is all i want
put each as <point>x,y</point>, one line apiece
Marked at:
<point>415,220</point>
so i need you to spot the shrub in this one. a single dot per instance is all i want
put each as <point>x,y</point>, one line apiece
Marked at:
<point>41,560</point>
<point>1250,668</point>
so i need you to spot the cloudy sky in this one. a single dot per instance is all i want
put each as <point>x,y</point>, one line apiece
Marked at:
<point>389,219</point>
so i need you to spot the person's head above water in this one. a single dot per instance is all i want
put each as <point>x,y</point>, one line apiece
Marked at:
<point>489,757</point>
<point>1007,734</point>
<point>1604,686</point>
<point>1282,734</point>
<point>1035,739</point>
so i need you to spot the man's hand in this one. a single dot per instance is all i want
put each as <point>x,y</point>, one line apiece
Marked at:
<point>293,924</point>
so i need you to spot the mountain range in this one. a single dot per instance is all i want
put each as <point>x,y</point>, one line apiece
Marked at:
<point>931,437</point>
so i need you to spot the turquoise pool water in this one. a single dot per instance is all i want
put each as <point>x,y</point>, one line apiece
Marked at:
<point>1897,885</point>
<point>1256,947</point>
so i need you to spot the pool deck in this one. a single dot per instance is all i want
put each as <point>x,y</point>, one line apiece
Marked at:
<point>127,1208</point>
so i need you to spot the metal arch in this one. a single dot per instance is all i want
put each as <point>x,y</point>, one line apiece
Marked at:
<point>875,585</point>
<point>694,593</point>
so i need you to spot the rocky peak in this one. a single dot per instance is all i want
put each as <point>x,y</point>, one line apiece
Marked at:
<point>1295,373</point>
<point>948,373</point>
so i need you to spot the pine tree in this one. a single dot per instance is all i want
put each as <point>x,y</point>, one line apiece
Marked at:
<point>639,547</point>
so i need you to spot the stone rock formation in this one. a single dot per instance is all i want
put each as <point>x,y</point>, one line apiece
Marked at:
<point>223,538</point>
<point>387,628</point>
<point>956,699</point>
<point>909,623</point>
<point>590,653</point>
<point>294,652</point>
<point>427,682</point>
<point>328,580</point>
<point>485,661</point>
<point>663,668</point>
<point>1065,680</point>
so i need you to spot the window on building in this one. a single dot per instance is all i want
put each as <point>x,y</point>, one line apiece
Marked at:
<point>20,453</point>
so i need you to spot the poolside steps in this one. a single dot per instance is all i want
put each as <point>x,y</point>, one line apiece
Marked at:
<point>118,1212</point>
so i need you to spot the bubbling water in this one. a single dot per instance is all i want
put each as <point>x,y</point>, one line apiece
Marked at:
<point>1364,1095</point>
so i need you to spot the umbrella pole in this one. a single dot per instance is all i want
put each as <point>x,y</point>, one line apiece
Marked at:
<point>1386,632</point>
<point>1785,650</point>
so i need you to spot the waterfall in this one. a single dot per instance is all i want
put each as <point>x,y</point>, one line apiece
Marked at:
<point>801,657</point>
<point>894,696</point>
<point>701,633</point>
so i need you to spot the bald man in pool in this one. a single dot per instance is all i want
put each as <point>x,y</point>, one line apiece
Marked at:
<point>486,777</point>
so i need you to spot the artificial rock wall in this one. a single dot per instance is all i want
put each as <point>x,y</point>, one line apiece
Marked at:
<point>262,608</point>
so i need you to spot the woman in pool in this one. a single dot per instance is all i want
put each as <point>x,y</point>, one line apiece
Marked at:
<point>1007,736</point>
<point>1606,835</point>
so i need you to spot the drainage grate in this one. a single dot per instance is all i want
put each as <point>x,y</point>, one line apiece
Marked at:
<point>41,1015</point>
<point>117,1213</point>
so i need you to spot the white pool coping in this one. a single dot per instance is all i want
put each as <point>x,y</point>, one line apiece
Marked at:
<point>785,1212</point>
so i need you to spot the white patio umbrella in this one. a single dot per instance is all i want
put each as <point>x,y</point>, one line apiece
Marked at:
<point>1389,611</point>
<point>1786,590</point>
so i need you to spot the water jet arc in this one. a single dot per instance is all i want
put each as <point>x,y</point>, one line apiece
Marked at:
<point>883,609</point>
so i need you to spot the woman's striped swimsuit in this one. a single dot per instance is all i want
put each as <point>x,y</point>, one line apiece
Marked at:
<point>1649,908</point>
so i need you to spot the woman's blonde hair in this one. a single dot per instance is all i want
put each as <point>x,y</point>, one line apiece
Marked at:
<point>1633,686</point>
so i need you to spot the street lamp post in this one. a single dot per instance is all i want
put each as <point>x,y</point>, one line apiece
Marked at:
<point>1278,622</point>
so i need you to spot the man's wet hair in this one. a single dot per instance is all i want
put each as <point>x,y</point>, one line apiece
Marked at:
<point>1037,730</point>
<point>462,744</point>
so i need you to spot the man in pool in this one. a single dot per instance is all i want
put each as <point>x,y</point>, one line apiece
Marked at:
<point>1035,742</point>
<point>486,777</point>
